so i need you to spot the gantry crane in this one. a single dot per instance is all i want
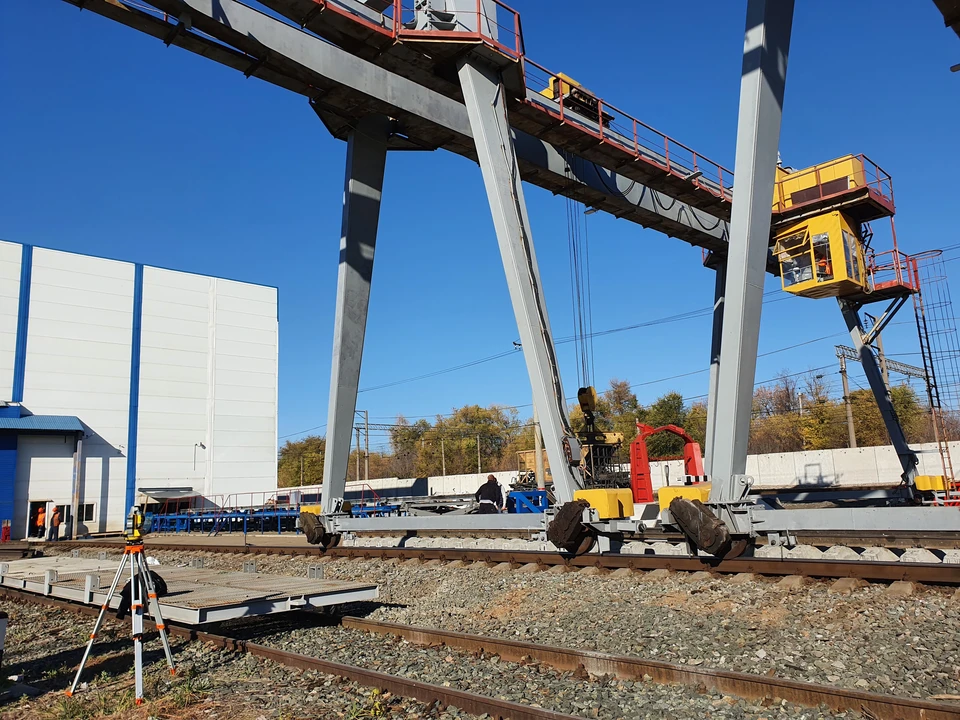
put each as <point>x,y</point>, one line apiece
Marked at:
<point>454,75</point>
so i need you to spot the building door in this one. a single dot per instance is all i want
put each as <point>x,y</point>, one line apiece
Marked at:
<point>32,529</point>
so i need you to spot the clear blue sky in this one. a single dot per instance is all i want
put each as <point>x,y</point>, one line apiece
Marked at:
<point>118,146</point>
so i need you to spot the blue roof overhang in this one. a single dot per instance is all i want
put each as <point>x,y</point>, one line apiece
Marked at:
<point>41,424</point>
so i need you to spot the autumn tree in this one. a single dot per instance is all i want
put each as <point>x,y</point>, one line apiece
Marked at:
<point>304,455</point>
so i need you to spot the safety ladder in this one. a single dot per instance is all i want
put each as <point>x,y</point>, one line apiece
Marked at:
<point>951,492</point>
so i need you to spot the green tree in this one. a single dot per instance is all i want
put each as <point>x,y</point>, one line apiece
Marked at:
<point>696,424</point>
<point>453,441</point>
<point>669,409</point>
<point>868,423</point>
<point>305,454</point>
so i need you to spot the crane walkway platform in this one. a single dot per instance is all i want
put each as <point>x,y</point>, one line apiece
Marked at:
<point>195,596</point>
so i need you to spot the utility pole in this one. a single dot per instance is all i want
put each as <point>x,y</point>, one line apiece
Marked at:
<point>301,470</point>
<point>846,401</point>
<point>366,446</point>
<point>538,451</point>
<point>443,459</point>
<point>358,452</point>
<point>479,471</point>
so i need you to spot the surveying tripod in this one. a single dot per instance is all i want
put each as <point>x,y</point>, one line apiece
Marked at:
<point>141,583</point>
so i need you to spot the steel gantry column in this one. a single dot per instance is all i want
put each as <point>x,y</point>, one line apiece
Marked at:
<point>486,103</point>
<point>363,186</point>
<point>720,266</point>
<point>763,76</point>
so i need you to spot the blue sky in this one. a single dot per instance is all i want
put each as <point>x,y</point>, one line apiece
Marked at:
<point>116,145</point>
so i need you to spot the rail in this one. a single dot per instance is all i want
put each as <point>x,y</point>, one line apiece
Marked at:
<point>573,104</point>
<point>625,667</point>
<point>744,685</point>
<point>883,572</point>
<point>404,687</point>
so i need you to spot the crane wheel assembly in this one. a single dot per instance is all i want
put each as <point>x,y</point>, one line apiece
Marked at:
<point>316,533</point>
<point>567,530</point>
<point>703,529</point>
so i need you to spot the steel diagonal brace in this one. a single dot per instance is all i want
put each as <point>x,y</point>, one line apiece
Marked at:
<point>871,368</point>
<point>257,44</point>
<point>884,319</point>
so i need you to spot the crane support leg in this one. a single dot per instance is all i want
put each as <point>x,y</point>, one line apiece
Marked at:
<point>763,77</point>
<point>366,159</point>
<point>881,392</point>
<point>486,103</point>
<point>717,335</point>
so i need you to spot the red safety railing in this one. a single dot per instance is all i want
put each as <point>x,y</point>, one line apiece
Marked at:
<point>386,26</point>
<point>892,269</point>
<point>609,124</point>
<point>364,487</point>
<point>492,22</point>
<point>823,182</point>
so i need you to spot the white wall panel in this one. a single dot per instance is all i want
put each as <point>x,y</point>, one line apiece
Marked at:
<point>208,375</point>
<point>244,443</point>
<point>207,408</point>
<point>10,255</point>
<point>78,362</point>
<point>42,464</point>
<point>174,380</point>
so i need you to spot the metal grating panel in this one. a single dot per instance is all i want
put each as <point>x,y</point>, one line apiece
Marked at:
<point>194,596</point>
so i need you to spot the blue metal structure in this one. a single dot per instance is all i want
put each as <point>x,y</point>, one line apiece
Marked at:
<point>527,501</point>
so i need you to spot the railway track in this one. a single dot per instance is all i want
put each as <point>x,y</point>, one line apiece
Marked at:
<point>743,685</point>
<point>883,572</point>
<point>872,538</point>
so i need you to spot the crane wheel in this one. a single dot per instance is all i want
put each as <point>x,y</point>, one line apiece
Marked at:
<point>567,530</point>
<point>703,529</point>
<point>737,548</point>
<point>312,528</point>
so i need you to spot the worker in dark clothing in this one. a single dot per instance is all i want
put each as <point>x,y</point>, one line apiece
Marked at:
<point>54,534</point>
<point>490,496</point>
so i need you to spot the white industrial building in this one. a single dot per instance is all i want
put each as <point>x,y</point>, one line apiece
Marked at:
<point>120,381</point>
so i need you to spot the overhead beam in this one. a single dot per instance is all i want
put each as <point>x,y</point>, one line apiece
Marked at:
<point>344,88</point>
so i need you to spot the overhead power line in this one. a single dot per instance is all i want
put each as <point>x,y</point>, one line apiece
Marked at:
<point>690,315</point>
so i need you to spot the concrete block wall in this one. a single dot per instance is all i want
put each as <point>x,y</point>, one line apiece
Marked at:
<point>843,467</point>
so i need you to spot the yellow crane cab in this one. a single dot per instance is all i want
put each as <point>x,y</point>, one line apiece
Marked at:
<point>821,257</point>
<point>818,243</point>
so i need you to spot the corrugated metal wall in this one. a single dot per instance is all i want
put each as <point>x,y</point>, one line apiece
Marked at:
<point>78,363</point>
<point>205,412</point>
<point>9,311</point>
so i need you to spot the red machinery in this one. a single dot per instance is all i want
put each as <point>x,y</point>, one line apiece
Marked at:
<point>640,481</point>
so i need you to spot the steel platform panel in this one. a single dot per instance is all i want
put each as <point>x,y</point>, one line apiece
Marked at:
<point>194,596</point>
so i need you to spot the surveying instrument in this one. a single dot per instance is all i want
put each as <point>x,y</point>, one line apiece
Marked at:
<point>141,584</point>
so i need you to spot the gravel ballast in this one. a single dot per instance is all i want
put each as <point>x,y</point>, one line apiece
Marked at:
<point>45,646</point>
<point>864,640</point>
<point>574,693</point>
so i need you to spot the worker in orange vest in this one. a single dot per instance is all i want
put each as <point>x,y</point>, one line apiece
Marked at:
<point>41,521</point>
<point>54,533</point>
<point>824,269</point>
